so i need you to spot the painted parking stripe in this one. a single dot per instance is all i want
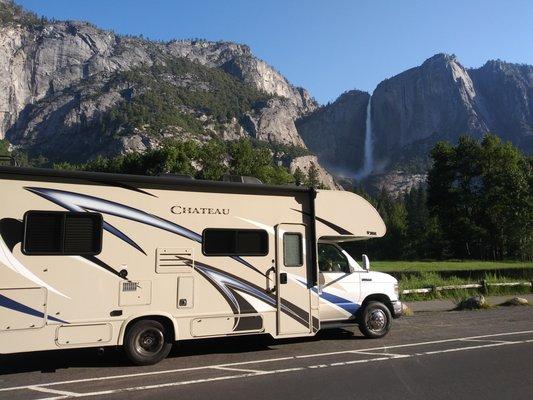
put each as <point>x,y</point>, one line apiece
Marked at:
<point>237,364</point>
<point>485,340</point>
<point>255,371</point>
<point>397,346</point>
<point>318,366</point>
<point>168,371</point>
<point>379,354</point>
<point>62,394</point>
<point>279,371</point>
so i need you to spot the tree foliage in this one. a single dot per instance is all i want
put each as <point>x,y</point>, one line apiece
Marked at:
<point>478,205</point>
<point>4,148</point>
<point>211,161</point>
<point>174,94</point>
<point>481,193</point>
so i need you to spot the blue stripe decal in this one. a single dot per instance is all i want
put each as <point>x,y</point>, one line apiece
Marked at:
<point>345,304</point>
<point>16,306</point>
<point>341,302</point>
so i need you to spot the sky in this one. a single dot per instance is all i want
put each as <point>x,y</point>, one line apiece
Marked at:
<point>327,47</point>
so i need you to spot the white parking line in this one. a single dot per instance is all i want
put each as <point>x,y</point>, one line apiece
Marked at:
<point>389,356</point>
<point>481,346</point>
<point>63,394</point>
<point>255,371</point>
<point>379,354</point>
<point>397,346</point>
<point>168,371</point>
<point>183,383</point>
<point>485,340</point>
<point>318,366</point>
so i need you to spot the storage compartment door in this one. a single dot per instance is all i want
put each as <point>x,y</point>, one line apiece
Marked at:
<point>72,335</point>
<point>22,308</point>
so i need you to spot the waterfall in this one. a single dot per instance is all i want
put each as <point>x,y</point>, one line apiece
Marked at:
<point>368,162</point>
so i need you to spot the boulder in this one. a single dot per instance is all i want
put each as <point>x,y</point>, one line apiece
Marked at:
<point>516,301</point>
<point>473,303</point>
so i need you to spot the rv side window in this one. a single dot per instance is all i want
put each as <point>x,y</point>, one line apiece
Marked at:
<point>292,250</point>
<point>235,242</point>
<point>62,233</point>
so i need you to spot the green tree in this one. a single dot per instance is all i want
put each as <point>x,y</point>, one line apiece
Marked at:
<point>299,177</point>
<point>212,160</point>
<point>4,147</point>
<point>313,179</point>
<point>481,195</point>
<point>507,199</point>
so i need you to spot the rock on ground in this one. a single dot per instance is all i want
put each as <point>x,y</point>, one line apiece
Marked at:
<point>473,303</point>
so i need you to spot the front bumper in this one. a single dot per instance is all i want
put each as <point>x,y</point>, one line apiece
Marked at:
<point>397,309</point>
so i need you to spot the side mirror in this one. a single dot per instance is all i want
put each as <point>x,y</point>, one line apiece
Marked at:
<point>366,263</point>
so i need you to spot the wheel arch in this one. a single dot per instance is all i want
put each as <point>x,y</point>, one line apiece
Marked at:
<point>381,297</point>
<point>166,319</point>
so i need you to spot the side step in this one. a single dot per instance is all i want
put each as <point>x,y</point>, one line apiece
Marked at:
<point>351,323</point>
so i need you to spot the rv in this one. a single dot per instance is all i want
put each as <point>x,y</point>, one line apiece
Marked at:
<point>94,260</point>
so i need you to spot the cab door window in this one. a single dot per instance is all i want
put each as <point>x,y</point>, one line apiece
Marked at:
<point>331,259</point>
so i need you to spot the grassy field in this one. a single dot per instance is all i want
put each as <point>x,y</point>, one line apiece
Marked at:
<point>427,266</point>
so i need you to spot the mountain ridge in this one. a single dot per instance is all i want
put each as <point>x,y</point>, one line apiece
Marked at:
<point>76,92</point>
<point>52,57</point>
<point>437,100</point>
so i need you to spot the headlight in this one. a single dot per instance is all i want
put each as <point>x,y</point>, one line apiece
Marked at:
<point>397,289</point>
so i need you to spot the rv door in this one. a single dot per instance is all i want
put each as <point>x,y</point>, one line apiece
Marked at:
<point>294,281</point>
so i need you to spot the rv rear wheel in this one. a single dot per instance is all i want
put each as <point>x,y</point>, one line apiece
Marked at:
<point>375,320</point>
<point>147,342</point>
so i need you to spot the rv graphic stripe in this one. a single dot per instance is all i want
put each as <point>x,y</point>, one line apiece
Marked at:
<point>227,283</point>
<point>341,302</point>
<point>6,302</point>
<point>345,304</point>
<point>9,260</point>
<point>339,229</point>
<point>124,186</point>
<point>101,264</point>
<point>81,202</point>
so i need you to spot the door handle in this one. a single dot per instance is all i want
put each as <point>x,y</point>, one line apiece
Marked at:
<point>283,278</point>
<point>269,288</point>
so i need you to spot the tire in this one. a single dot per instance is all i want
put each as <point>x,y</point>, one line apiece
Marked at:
<point>147,342</point>
<point>375,320</point>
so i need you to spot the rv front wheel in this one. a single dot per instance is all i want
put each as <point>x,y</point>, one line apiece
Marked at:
<point>147,342</point>
<point>375,320</point>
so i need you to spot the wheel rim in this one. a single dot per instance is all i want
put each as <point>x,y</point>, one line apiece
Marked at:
<point>376,320</point>
<point>149,342</point>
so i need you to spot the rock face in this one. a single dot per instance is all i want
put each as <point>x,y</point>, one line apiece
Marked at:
<point>336,132</point>
<point>443,100</point>
<point>57,83</point>
<point>507,90</point>
<point>439,100</point>
<point>304,163</point>
<point>275,122</point>
<point>62,83</point>
<point>395,182</point>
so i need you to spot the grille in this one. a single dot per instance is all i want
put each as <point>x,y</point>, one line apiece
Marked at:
<point>129,286</point>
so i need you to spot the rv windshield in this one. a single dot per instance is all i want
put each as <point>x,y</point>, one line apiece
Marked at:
<point>331,259</point>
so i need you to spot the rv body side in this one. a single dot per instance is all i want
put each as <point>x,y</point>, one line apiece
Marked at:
<point>156,260</point>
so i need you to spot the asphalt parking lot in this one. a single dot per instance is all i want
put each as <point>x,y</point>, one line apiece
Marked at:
<point>475,355</point>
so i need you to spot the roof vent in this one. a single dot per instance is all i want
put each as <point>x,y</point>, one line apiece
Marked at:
<point>241,179</point>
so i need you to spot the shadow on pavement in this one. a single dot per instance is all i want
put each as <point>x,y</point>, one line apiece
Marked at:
<point>51,361</point>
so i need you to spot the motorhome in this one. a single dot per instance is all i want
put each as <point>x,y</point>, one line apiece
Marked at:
<point>93,260</point>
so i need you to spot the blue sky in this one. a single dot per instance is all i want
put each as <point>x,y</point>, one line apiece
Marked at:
<point>327,47</point>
